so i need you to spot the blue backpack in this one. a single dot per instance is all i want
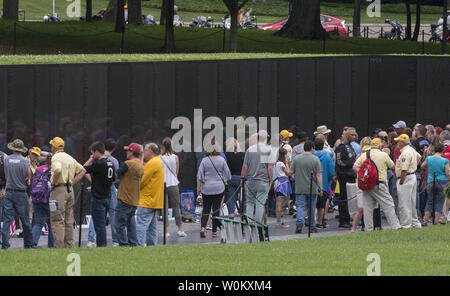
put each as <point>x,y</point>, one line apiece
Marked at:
<point>40,189</point>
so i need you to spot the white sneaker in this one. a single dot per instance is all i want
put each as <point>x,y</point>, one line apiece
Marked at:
<point>208,227</point>
<point>91,244</point>
<point>181,234</point>
<point>167,234</point>
<point>115,244</point>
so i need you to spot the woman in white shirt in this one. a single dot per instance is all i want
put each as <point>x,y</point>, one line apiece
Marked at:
<point>171,168</point>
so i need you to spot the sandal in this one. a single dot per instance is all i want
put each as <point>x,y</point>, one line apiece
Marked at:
<point>203,233</point>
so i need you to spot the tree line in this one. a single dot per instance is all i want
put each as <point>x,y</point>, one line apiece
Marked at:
<point>303,23</point>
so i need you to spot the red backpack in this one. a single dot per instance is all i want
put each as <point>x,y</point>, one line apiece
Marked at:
<point>367,174</point>
<point>446,153</point>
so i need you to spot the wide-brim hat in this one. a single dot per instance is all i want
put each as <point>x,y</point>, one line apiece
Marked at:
<point>17,145</point>
<point>322,130</point>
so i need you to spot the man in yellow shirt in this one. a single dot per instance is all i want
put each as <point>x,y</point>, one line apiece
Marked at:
<point>151,197</point>
<point>66,172</point>
<point>405,170</point>
<point>380,192</point>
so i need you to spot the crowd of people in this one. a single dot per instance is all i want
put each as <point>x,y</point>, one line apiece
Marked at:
<point>401,173</point>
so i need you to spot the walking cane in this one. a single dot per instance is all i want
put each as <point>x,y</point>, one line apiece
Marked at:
<point>309,206</point>
<point>434,194</point>
<point>243,205</point>
<point>81,215</point>
<point>164,215</point>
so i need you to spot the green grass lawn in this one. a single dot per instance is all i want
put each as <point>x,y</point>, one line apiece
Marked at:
<point>99,38</point>
<point>403,252</point>
<point>270,11</point>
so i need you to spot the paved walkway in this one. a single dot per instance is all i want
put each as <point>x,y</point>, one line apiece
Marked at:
<point>193,233</point>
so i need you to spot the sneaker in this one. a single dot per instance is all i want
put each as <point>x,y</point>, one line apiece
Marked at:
<point>299,228</point>
<point>167,235</point>
<point>208,227</point>
<point>345,225</point>
<point>320,226</point>
<point>314,230</point>
<point>91,244</point>
<point>181,234</point>
<point>115,244</point>
<point>32,247</point>
<point>282,225</point>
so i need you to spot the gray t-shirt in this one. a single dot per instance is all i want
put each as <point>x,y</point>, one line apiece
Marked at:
<point>258,158</point>
<point>16,167</point>
<point>302,166</point>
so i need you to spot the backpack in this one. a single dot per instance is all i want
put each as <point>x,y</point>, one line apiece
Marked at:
<point>367,174</point>
<point>446,153</point>
<point>40,189</point>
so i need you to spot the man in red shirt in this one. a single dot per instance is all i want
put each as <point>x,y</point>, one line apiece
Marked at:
<point>444,137</point>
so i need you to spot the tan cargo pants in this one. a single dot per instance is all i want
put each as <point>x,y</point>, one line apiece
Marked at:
<point>380,194</point>
<point>62,219</point>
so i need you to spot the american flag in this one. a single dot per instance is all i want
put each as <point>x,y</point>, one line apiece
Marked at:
<point>12,228</point>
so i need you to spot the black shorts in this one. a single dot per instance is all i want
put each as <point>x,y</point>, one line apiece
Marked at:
<point>321,201</point>
<point>278,194</point>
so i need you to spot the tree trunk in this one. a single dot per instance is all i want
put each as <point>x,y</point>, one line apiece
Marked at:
<point>111,12</point>
<point>120,17</point>
<point>357,19</point>
<point>10,10</point>
<point>134,12</point>
<point>233,8</point>
<point>88,10</point>
<point>234,31</point>
<point>417,27</point>
<point>169,44</point>
<point>162,18</point>
<point>304,22</point>
<point>408,20</point>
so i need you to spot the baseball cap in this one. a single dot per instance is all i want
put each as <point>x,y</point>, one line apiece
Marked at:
<point>286,134</point>
<point>400,124</point>
<point>403,138</point>
<point>57,143</point>
<point>36,151</point>
<point>136,148</point>
<point>263,134</point>
<point>375,142</point>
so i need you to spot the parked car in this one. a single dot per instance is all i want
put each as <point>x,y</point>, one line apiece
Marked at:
<point>329,23</point>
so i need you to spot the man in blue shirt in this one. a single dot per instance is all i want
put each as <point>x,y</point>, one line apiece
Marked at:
<point>327,178</point>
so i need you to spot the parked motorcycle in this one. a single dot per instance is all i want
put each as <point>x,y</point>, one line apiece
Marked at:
<point>96,17</point>
<point>148,20</point>
<point>396,32</point>
<point>51,18</point>
<point>202,22</point>
<point>437,29</point>
<point>177,21</point>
